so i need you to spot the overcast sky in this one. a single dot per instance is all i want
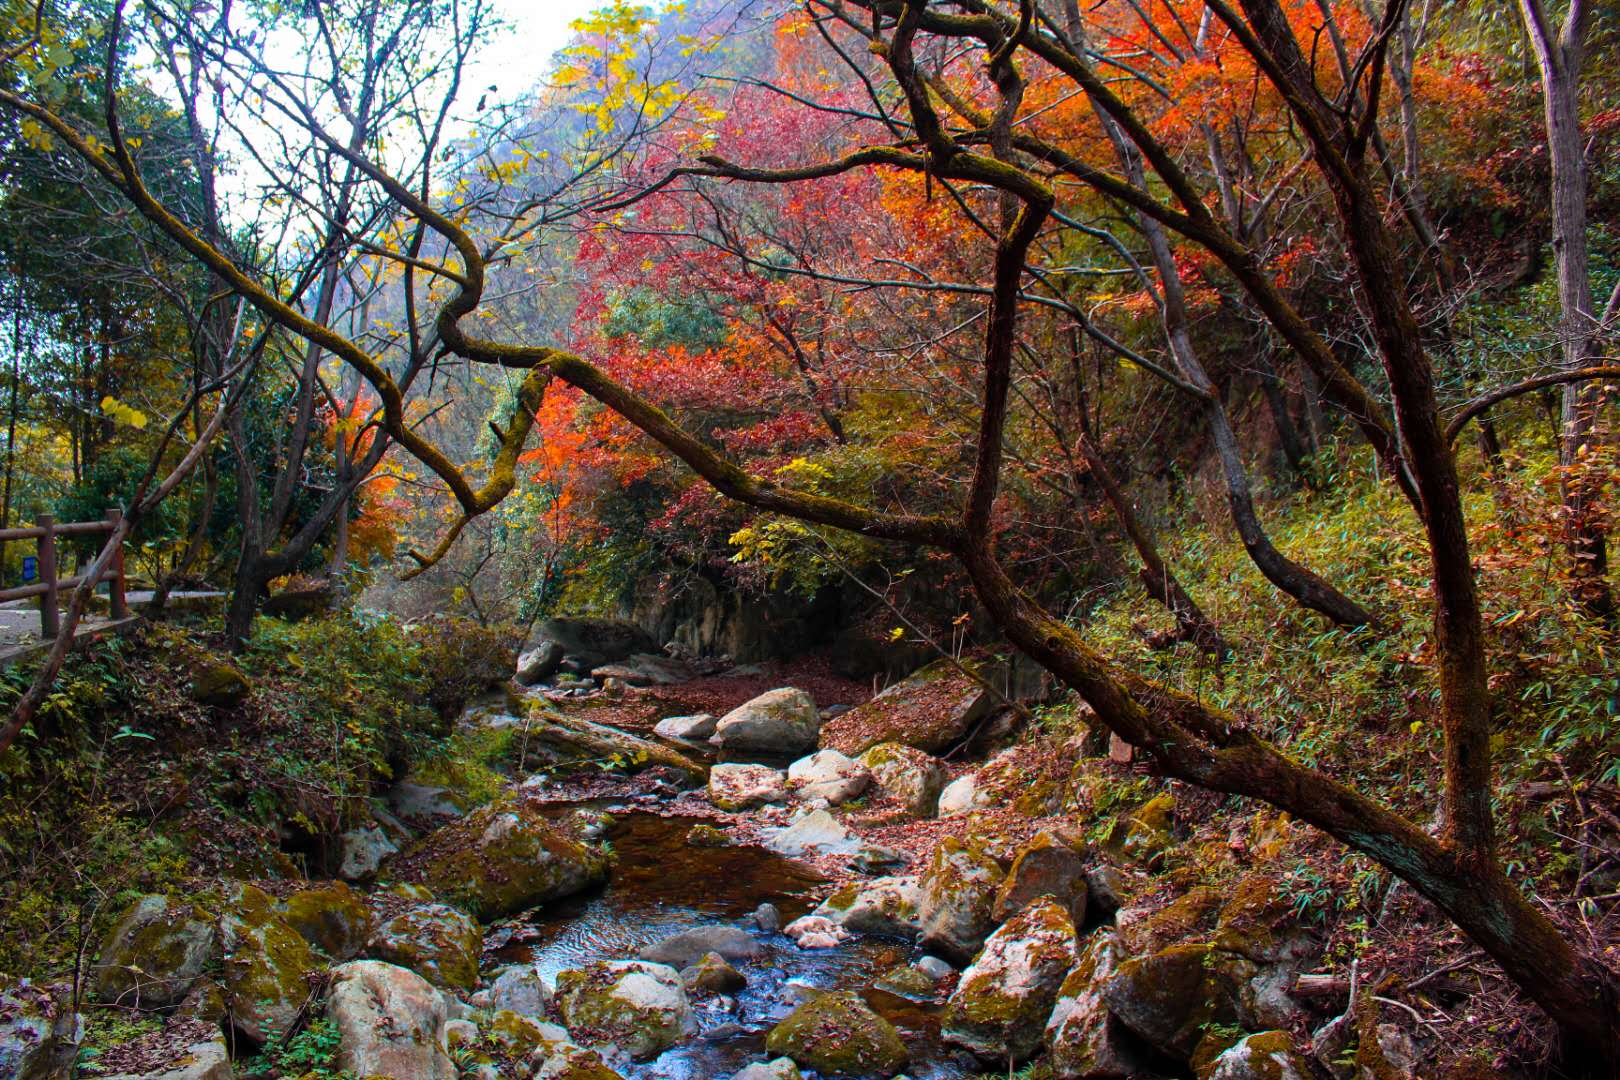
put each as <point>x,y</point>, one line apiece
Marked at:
<point>515,60</point>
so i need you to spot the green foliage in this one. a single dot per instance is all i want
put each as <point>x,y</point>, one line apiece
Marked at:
<point>660,321</point>
<point>311,1054</point>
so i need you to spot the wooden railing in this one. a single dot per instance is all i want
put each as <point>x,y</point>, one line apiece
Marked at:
<point>49,585</point>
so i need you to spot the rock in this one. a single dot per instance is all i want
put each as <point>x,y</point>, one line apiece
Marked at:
<point>877,859</point>
<point>909,776</point>
<point>1171,997</point>
<point>636,1006</point>
<point>1258,922</point>
<point>595,641</point>
<point>1147,930</point>
<point>838,1034</point>
<point>829,775</point>
<point>266,964</point>
<point>1143,834</point>
<point>459,1033</point>
<point>689,946</point>
<point>570,1062</point>
<point>500,860</point>
<point>694,728</point>
<point>707,836</point>
<point>817,831</point>
<point>815,932</point>
<point>154,953</point>
<point>332,917</point>
<point>934,967</point>
<point>1083,1039</point>
<point>1000,1007</point>
<point>205,1060</point>
<point>520,989</point>
<point>422,805</point>
<point>434,940</point>
<point>929,709</point>
<point>740,787</point>
<point>1107,888</point>
<point>646,669</point>
<point>712,975</point>
<point>780,1069</point>
<point>909,982</point>
<point>1269,1055</point>
<point>956,893</point>
<point>1047,867</point>
<point>520,1035</point>
<point>782,721</point>
<point>363,851</point>
<point>219,684</point>
<point>390,1022</point>
<point>767,918</point>
<point>963,796</point>
<point>539,663</point>
<point>39,1037</point>
<point>884,906</point>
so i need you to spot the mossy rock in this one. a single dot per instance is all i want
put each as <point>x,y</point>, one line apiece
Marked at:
<point>838,1034</point>
<point>999,1009</point>
<point>637,1006</point>
<point>909,983</point>
<point>436,941</point>
<point>267,965</point>
<point>500,860</point>
<point>570,1062</point>
<point>1172,998</point>
<point>332,917</point>
<point>1189,917</point>
<point>1258,921</point>
<point>707,836</point>
<point>1144,834</point>
<point>911,777</point>
<point>519,1036</point>
<point>929,709</point>
<point>219,684</point>
<point>39,1036</point>
<point>887,906</point>
<point>1269,1055</point>
<point>957,892</point>
<point>1082,1037</point>
<point>154,953</point>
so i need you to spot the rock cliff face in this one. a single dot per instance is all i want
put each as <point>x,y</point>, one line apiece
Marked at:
<point>713,620</point>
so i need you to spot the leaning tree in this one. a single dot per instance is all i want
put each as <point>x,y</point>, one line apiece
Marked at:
<point>976,134</point>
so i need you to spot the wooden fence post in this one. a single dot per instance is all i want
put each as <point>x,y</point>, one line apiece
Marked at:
<point>115,585</point>
<point>49,620</point>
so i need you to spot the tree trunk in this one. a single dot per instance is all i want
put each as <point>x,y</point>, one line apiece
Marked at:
<point>1559,56</point>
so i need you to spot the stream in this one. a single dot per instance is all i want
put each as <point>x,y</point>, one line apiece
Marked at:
<point>660,886</point>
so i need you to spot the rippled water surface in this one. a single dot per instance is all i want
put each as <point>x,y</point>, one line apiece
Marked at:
<point>661,886</point>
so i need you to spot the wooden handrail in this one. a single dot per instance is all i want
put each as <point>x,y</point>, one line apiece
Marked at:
<point>45,531</point>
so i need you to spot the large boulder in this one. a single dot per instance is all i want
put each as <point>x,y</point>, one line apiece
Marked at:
<point>829,775</point>
<point>390,1022</point>
<point>154,953</point>
<point>594,641</point>
<point>689,946</point>
<point>883,906</point>
<point>1083,1039</point>
<point>1269,1055</point>
<point>781,721</point>
<point>930,709</point>
<point>436,941</point>
<point>910,777</point>
<point>332,917</point>
<point>957,893</point>
<point>1171,998</point>
<point>39,1036</point>
<point>1142,834</point>
<point>1047,867</point>
<point>838,1034</point>
<point>636,1006</point>
<point>999,1009</point>
<point>206,1059</point>
<point>519,989</point>
<point>500,860</point>
<point>740,787</point>
<point>539,663</point>
<point>266,967</point>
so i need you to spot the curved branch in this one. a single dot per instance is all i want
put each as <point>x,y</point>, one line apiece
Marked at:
<point>1557,378</point>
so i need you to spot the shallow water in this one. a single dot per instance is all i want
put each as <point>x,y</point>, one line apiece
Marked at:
<point>661,886</point>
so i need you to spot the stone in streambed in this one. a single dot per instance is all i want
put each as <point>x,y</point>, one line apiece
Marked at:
<point>694,728</point>
<point>689,946</point>
<point>780,1069</point>
<point>782,721</point>
<point>434,940</point>
<point>741,787</point>
<point>713,975</point>
<point>1171,998</point>
<point>828,775</point>
<point>1000,1007</point>
<point>817,832</point>
<point>1084,1041</point>
<point>838,1034</point>
<point>957,891</point>
<point>638,1007</point>
<point>883,906</point>
<point>909,776</point>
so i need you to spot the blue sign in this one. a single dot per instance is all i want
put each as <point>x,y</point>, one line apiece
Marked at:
<point>30,568</point>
